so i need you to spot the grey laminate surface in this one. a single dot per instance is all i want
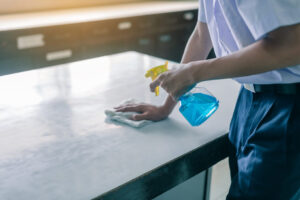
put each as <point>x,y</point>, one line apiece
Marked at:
<point>56,144</point>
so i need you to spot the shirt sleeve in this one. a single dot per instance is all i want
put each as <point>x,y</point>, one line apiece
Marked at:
<point>263,16</point>
<point>201,12</point>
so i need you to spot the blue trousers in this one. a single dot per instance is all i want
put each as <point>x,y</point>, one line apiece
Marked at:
<point>265,138</point>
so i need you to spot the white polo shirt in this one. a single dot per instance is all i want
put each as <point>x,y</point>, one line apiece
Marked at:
<point>235,24</point>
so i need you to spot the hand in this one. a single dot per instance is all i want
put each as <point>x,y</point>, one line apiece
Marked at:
<point>176,81</point>
<point>146,111</point>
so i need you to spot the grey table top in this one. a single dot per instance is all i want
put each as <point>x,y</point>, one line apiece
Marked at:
<point>56,144</point>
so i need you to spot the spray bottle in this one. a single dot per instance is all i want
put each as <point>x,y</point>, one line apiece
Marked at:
<point>197,105</point>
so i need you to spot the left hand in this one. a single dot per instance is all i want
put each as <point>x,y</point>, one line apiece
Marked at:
<point>145,111</point>
<point>176,81</point>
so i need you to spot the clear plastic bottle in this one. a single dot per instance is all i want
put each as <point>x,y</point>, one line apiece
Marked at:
<point>198,105</point>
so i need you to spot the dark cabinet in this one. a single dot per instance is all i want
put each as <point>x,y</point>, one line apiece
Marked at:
<point>144,44</point>
<point>15,64</point>
<point>163,35</point>
<point>103,48</point>
<point>57,55</point>
<point>170,45</point>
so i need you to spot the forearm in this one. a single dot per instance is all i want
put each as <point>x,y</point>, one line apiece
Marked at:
<point>197,48</point>
<point>198,45</point>
<point>280,49</point>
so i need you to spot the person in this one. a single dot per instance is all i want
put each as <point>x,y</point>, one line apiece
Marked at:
<point>257,43</point>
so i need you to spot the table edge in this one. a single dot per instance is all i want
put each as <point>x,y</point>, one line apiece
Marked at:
<point>159,180</point>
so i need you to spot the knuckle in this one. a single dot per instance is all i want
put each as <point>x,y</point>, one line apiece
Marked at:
<point>165,84</point>
<point>152,87</point>
<point>152,84</point>
<point>125,109</point>
<point>127,105</point>
<point>139,107</point>
<point>161,76</point>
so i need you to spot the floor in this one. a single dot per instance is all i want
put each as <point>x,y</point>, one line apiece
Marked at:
<point>220,180</point>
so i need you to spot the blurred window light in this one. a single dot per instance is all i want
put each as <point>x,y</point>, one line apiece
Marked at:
<point>17,6</point>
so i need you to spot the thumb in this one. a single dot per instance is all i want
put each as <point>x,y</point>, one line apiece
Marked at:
<point>156,82</point>
<point>139,117</point>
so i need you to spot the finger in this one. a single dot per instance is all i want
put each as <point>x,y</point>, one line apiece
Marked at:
<point>125,109</point>
<point>124,105</point>
<point>140,117</point>
<point>165,85</point>
<point>138,108</point>
<point>154,84</point>
<point>157,82</point>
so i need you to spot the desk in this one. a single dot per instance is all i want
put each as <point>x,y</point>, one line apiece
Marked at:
<point>56,144</point>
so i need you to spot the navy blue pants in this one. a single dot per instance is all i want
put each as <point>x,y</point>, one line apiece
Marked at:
<point>265,136</point>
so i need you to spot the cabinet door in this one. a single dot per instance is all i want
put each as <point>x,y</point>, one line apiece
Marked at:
<point>106,37</point>
<point>62,35</point>
<point>8,44</point>
<point>177,19</point>
<point>97,32</point>
<point>144,44</point>
<point>104,48</point>
<point>15,64</point>
<point>188,17</point>
<point>57,55</point>
<point>12,57</point>
<point>146,24</point>
<point>170,45</point>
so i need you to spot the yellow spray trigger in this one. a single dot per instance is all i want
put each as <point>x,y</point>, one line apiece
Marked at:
<point>155,72</point>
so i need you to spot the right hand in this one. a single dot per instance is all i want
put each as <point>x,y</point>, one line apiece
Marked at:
<point>176,81</point>
<point>146,111</point>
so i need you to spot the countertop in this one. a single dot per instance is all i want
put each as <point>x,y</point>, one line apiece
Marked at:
<point>57,144</point>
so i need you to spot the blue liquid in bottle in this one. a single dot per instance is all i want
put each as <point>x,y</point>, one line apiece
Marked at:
<point>197,107</point>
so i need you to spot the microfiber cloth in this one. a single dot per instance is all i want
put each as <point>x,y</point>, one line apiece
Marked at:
<point>125,117</point>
